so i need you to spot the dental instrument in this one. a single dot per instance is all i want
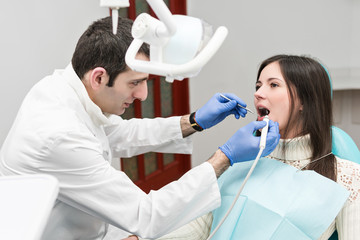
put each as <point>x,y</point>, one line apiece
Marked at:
<point>262,146</point>
<point>223,96</point>
<point>114,5</point>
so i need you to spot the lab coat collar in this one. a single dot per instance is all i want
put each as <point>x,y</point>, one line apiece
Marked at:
<point>91,108</point>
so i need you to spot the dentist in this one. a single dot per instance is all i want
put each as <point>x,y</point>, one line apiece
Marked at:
<point>69,127</point>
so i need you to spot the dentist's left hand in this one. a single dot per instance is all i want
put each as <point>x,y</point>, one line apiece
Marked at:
<point>218,108</point>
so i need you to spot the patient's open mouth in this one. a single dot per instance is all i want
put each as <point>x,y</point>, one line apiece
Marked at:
<point>262,111</point>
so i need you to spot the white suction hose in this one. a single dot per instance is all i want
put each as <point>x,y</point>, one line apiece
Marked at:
<point>262,147</point>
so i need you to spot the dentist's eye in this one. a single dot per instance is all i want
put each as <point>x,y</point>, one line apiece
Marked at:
<point>274,85</point>
<point>257,87</point>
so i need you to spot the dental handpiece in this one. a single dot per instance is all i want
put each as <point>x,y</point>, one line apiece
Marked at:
<point>264,132</point>
<point>223,96</point>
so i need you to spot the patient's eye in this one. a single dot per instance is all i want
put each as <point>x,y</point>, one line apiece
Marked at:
<point>274,85</point>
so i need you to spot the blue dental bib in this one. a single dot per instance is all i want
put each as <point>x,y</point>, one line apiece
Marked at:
<point>278,202</point>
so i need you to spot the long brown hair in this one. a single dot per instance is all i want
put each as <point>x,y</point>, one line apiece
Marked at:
<point>308,80</point>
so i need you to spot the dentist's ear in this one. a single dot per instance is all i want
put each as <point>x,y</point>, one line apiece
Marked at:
<point>98,77</point>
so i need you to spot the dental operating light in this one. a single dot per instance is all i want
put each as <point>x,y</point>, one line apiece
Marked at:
<point>179,45</point>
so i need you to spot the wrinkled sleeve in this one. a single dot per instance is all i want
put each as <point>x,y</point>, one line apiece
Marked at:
<point>132,137</point>
<point>198,229</point>
<point>89,183</point>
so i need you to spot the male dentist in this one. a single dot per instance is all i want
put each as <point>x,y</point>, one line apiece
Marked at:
<point>69,127</point>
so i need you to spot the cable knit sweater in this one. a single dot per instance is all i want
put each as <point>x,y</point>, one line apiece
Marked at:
<point>298,154</point>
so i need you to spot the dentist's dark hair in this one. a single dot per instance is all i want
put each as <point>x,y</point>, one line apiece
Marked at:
<point>308,81</point>
<point>99,47</point>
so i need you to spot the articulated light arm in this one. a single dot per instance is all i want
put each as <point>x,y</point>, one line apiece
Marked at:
<point>176,71</point>
<point>179,45</point>
<point>165,16</point>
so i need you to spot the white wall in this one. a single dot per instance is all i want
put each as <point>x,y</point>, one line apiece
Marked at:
<point>326,29</point>
<point>355,31</point>
<point>37,37</point>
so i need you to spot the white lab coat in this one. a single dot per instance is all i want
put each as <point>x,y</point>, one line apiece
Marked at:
<point>60,131</point>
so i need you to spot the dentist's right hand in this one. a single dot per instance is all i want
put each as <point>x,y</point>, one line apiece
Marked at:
<point>244,146</point>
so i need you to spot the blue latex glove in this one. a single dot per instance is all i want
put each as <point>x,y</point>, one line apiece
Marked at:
<point>218,108</point>
<point>244,146</point>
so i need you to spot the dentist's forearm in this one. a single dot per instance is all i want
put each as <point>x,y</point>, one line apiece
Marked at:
<point>220,162</point>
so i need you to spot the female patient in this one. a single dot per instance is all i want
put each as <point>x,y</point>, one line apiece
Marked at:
<point>295,91</point>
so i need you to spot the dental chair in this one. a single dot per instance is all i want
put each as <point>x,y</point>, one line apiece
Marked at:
<point>343,147</point>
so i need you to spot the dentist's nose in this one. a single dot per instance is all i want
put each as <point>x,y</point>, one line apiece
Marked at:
<point>141,91</point>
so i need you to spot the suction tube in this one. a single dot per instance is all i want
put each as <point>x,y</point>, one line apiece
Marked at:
<point>264,133</point>
<point>262,146</point>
